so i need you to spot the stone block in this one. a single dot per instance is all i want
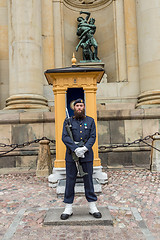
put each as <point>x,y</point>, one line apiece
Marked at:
<point>35,130</point>
<point>5,133</point>
<point>20,134</point>
<point>31,117</point>
<point>80,216</point>
<point>117,131</point>
<point>141,159</point>
<point>152,113</point>
<point>8,162</point>
<point>104,114</point>
<point>107,114</point>
<point>104,159</point>
<point>103,132</point>
<point>49,116</point>
<point>49,130</point>
<point>101,106</point>
<point>114,114</point>
<point>150,126</point>
<point>26,132</point>
<point>137,113</point>
<point>123,114</point>
<point>133,130</point>
<point>120,106</point>
<point>130,88</point>
<point>26,161</point>
<point>120,159</point>
<point>9,118</point>
<point>110,91</point>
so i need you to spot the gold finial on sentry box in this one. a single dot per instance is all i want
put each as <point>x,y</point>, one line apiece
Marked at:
<point>74,60</point>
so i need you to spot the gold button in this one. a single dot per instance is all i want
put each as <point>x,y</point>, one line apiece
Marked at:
<point>80,125</point>
<point>80,131</point>
<point>81,138</point>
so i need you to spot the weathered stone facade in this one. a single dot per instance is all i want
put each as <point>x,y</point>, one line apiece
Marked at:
<point>36,35</point>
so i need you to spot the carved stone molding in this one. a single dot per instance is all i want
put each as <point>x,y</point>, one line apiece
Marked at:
<point>86,3</point>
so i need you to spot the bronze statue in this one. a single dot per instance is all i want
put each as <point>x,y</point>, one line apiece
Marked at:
<point>85,31</point>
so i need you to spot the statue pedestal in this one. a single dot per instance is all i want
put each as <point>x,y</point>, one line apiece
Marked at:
<point>91,64</point>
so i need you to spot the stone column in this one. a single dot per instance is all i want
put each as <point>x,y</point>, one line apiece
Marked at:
<point>25,55</point>
<point>148,22</point>
<point>47,34</point>
<point>120,41</point>
<point>58,33</point>
<point>4,61</point>
<point>131,44</point>
<point>48,46</point>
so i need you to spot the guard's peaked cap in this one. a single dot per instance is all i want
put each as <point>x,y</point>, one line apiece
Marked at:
<point>79,100</point>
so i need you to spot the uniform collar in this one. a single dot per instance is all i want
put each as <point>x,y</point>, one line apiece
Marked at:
<point>79,119</point>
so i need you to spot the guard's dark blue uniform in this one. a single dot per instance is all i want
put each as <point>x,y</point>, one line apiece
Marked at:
<point>84,130</point>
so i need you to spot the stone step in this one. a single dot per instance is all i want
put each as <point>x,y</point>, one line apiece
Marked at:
<point>79,187</point>
<point>80,216</point>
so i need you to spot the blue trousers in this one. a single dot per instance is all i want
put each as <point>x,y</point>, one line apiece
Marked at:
<point>71,174</point>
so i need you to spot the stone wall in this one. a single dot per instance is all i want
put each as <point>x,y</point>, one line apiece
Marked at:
<point>20,127</point>
<point>125,126</point>
<point>114,127</point>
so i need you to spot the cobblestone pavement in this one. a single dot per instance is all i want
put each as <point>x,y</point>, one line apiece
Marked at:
<point>133,198</point>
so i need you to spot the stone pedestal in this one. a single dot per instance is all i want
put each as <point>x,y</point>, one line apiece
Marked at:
<point>79,187</point>
<point>90,64</point>
<point>25,55</point>
<point>44,164</point>
<point>155,154</point>
<point>60,173</point>
<point>80,217</point>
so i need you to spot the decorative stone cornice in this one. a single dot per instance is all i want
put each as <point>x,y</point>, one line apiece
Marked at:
<point>86,3</point>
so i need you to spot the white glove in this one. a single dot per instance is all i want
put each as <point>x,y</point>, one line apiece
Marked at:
<point>84,149</point>
<point>80,151</point>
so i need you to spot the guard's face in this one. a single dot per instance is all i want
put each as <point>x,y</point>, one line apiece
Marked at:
<point>79,107</point>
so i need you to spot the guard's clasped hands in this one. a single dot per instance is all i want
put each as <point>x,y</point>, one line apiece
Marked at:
<point>80,151</point>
